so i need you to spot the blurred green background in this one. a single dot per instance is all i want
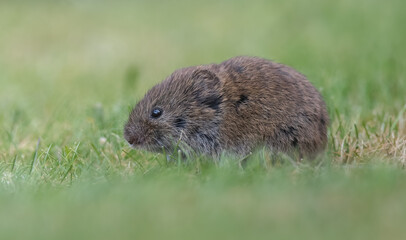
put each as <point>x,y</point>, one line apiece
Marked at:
<point>70,71</point>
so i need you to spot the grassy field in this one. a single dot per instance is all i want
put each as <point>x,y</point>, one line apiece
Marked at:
<point>70,71</point>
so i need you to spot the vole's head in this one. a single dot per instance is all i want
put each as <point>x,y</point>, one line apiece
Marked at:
<point>181,108</point>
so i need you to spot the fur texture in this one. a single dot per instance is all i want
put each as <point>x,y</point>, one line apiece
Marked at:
<point>234,106</point>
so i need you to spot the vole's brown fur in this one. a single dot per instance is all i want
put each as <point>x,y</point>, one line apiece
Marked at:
<point>234,106</point>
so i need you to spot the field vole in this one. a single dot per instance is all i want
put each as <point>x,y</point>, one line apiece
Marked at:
<point>234,106</point>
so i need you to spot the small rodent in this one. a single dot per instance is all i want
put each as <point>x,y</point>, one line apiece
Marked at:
<point>233,107</point>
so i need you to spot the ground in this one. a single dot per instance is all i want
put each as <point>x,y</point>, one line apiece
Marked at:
<point>70,71</point>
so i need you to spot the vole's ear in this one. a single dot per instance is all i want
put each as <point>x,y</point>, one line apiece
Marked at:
<point>206,79</point>
<point>208,88</point>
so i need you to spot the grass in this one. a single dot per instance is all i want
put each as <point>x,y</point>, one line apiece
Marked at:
<point>71,70</point>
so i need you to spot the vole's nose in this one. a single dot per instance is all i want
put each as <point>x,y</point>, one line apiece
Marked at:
<point>132,135</point>
<point>134,140</point>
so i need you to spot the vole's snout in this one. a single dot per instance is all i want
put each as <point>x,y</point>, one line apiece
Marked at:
<point>134,140</point>
<point>132,137</point>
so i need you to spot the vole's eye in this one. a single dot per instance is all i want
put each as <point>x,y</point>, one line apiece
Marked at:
<point>156,112</point>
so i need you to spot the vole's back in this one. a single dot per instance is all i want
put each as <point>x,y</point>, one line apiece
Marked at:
<point>266,102</point>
